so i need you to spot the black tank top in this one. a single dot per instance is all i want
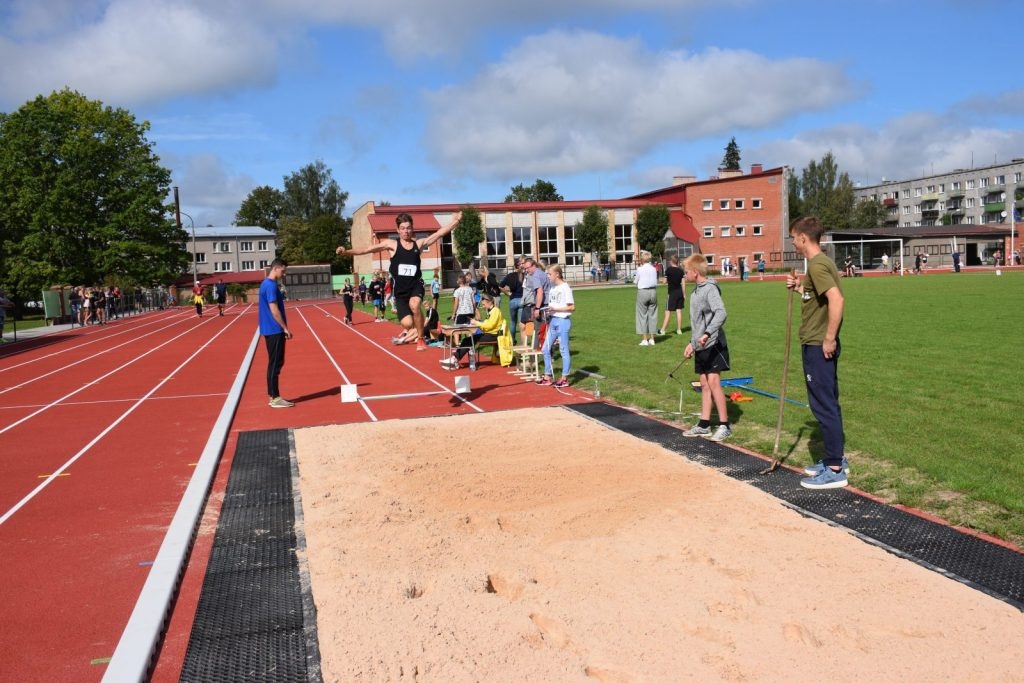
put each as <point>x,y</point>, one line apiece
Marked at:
<point>405,267</point>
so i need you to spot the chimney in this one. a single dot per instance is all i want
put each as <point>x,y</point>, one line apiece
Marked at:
<point>683,180</point>
<point>756,168</point>
<point>727,173</point>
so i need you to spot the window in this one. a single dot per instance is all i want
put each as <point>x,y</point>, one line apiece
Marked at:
<point>725,231</point>
<point>741,230</point>
<point>547,243</point>
<point>905,193</point>
<point>758,229</point>
<point>1018,176</point>
<point>755,203</point>
<point>906,210</point>
<point>942,188</point>
<point>917,191</point>
<point>738,203</point>
<point>930,189</point>
<point>710,258</point>
<point>522,241</point>
<point>497,256</point>
<point>758,256</point>
<point>956,185</point>
<point>245,246</point>
<point>709,232</point>
<point>970,202</point>
<point>248,265</point>
<point>222,266</point>
<point>707,205</point>
<point>264,264</point>
<point>917,208</point>
<point>573,255</point>
<point>984,182</point>
<point>623,243</point>
<point>200,258</point>
<point>262,245</point>
<point>723,204</point>
<point>970,184</point>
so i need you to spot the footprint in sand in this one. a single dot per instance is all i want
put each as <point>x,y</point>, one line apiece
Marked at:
<point>554,632</point>
<point>509,589</point>
<point>796,633</point>
<point>606,675</point>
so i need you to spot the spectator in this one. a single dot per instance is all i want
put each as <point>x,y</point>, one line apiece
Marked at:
<point>463,306</point>
<point>676,297</point>
<point>273,326</point>
<point>347,297</point>
<point>646,300</point>
<point>512,285</point>
<point>560,309</point>
<point>487,331</point>
<point>708,348</point>
<point>760,268</point>
<point>220,295</point>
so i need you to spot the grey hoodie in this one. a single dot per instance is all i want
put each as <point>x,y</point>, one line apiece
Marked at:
<point>707,314</point>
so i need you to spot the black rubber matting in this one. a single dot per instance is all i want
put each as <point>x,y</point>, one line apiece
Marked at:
<point>255,619</point>
<point>986,566</point>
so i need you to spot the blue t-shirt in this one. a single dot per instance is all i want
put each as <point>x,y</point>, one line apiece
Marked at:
<point>270,295</point>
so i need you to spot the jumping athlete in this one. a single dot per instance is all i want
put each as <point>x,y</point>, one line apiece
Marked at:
<point>405,268</point>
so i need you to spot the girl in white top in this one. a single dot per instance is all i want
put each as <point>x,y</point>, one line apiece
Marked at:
<point>560,306</point>
<point>464,305</point>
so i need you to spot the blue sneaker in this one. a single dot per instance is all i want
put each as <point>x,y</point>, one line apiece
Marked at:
<point>826,479</point>
<point>816,468</point>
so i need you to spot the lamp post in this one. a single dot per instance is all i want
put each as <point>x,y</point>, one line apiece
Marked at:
<point>195,268</point>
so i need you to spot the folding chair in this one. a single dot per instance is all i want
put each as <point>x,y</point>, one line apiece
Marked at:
<point>528,356</point>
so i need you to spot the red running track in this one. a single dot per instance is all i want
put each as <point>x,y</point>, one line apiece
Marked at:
<point>99,430</point>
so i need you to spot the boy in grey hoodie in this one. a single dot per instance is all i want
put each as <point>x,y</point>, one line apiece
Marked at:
<point>707,347</point>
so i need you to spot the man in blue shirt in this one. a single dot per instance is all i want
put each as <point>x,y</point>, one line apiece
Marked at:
<point>274,329</point>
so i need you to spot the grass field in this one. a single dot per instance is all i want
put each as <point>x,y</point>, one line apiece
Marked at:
<point>929,378</point>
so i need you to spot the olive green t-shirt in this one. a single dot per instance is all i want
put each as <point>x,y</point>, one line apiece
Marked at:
<point>821,276</point>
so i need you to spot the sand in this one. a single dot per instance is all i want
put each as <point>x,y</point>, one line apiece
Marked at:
<point>538,545</point>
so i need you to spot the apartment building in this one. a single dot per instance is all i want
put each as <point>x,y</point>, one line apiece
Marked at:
<point>232,249</point>
<point>977,196</point>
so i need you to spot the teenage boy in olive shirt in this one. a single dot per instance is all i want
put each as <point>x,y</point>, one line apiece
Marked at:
<point>821,320</point>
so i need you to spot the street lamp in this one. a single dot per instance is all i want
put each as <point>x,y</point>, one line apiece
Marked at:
<point>195,270</point>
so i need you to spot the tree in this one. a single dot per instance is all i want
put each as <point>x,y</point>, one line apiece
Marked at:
<point>591,233</point>
<point>824,192</point>
<point>652,222</point>
<point>263,207</point>
<point>312,191</point>
<point>868,214</point>
<point>731,160</point>
<point>468,235</point>
<point>82,198</point>
<point>540,191</point>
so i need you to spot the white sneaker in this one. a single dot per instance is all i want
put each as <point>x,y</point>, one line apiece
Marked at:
<point>661,331</point>
<point>721,433</point>
<point>450,364</point>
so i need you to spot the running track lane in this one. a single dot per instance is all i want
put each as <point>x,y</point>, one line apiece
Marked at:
<point>323,354</point>
<point>99,431</point>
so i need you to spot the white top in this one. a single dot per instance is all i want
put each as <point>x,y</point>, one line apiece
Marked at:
<point>646,276</point>
<point>559,296</point>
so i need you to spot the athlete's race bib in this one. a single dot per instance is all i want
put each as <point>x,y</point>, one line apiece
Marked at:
<point>406,269</point>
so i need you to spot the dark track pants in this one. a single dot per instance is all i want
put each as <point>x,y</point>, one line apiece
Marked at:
<point>822,377</point>
<point>275,361</point>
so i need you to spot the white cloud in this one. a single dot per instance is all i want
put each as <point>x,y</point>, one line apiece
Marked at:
<point>565,102</point>
<point>138,51</point>
<point>209,190</point>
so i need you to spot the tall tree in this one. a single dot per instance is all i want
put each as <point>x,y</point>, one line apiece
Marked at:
<point>312,191</point>
<point>263,207</point>
<point>868,214</point>
<point>540,191</point>
<point>468,235</point>
<point>82,198</point>
<point>652,222</point>
<point>731,160</point>
<point>825,192</point>
<point>592,232</point>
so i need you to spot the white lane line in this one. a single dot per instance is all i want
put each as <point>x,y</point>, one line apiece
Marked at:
<point>135,649</point>
<point>85,449</point>
<point>89,358</point>
<point>112,372</point>
<point>419,372</point>
<point>95,336</point>
<point>341,373</point>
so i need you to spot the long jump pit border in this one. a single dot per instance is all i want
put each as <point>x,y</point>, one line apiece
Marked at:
<point>573,544</point>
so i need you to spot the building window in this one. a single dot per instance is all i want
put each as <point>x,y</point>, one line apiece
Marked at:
<point>758,229</point>
<point>248,265</point>
<point>758,256</point>
<point>709,232</point>
<point>707,205</point>
<point>906,193</point>
<point>623,243</point>
<point>200,258</point>
<point>931,189</point>
<point>755,203</point>
<point>264,264</point>
<point>741,230</point>
<point>917,191</point>
<point>1017,176</point>
<point>710,258</point>
<point>917,208</point>
<point>970,202</point>
<point>956,184</point>
<point>970,184</point>
<point>725,231</point>
<point>984,182</point>
<point>522,244</point>
<point>906,210</point>
<point>1000,180</point>
<point>942,188</point>
<point>262,245</point>
<point>245,246</point>
<point>723,204</point>
<point>738,203</point>
<point>573,255</point>
<point>497,256</point>
<point>222,266</point>
<point>547,243</point>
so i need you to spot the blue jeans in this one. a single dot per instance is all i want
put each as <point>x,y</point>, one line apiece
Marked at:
<point>514,307</point>
<point>822,377</point>
<point>558,328</point>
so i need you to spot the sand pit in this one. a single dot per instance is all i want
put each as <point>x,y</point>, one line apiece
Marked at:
<point>540,546</point>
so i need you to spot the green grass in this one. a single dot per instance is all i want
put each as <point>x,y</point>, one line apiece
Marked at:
<point>929,379</point>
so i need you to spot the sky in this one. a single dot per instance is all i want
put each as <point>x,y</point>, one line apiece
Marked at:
<point>457,101</point>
